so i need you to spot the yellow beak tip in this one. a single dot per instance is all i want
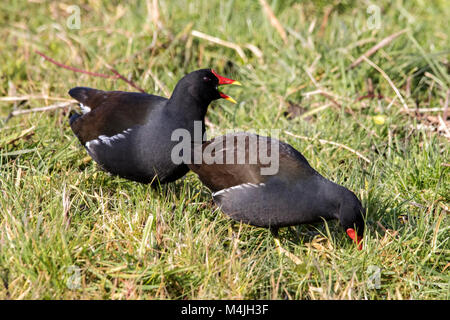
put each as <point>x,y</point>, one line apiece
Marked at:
<point>236,83</point>
<point>231,100</point>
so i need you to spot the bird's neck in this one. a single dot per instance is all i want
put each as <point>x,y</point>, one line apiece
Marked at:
<point>183,103</point>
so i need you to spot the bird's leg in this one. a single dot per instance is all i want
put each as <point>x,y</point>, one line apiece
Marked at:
<point>281,250</point>
<point>274,231</point>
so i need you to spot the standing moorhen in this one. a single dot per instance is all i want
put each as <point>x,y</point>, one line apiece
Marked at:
<point>293,195</point>
<point>129,133</point>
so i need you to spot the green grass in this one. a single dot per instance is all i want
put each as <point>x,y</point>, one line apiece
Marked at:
<point>60,216</point>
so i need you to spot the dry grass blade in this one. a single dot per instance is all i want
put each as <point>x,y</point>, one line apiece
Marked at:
<point>446,266</point>
<point>445,111</point>
<point>329,96</point>
<point>443,127</point>
<point>25,133</point>
<point>221,42</point>
<point>48,108</point>
<point>256,51</point>
<point>273,20</point>
<point>425,110</point>
<point>314,111</point>
<point>158,82</point>
<point>324,24</point>
<point>153,12</point>
<point>291,256</point>
<point>377,47</point>
<point>32,97</point>
<point>18,152</point>
<point>384,74</point>
<point>436,231</point>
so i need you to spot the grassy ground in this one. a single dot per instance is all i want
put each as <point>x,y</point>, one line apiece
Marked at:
<point>68,230</point>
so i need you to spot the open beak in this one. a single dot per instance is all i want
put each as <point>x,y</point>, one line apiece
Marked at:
<point>357,239</point>
<point>222,81</point>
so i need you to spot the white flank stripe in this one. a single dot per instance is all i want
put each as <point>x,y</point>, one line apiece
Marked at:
<point>239,186</point>
<point>108,140</point>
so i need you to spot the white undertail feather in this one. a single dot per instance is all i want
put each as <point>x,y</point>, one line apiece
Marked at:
<point>84,109</point>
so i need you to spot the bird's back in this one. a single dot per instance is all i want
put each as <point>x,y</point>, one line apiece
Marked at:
<point>294,194</point>
<point>125,134</point>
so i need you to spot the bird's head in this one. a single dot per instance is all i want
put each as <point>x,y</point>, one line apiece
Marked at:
<point>204,85</point>
<point>351,217</point>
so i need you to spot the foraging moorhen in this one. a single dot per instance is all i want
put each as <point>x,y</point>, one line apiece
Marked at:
<point>129,133</point>
<point>293,193</point>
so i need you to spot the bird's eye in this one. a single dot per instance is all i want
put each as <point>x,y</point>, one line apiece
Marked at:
<point>206,79</point>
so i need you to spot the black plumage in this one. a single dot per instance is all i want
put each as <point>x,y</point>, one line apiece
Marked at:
<point>295,194</point>
<point>129,133</point>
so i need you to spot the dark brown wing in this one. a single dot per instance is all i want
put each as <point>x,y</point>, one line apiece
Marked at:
<point>248,164</point>
<point>111,111</point>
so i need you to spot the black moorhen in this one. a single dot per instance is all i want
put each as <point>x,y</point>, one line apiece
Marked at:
<point>129,133</point>
<point>293,195</point>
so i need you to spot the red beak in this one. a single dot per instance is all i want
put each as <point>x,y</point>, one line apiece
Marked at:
<point>223,80</point>
<point>357,239</point>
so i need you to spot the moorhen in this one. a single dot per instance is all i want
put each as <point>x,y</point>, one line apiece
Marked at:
<point>129,133</point>
<point>293,193</point>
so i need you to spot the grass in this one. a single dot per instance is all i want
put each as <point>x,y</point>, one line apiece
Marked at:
<point>71,231</point>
